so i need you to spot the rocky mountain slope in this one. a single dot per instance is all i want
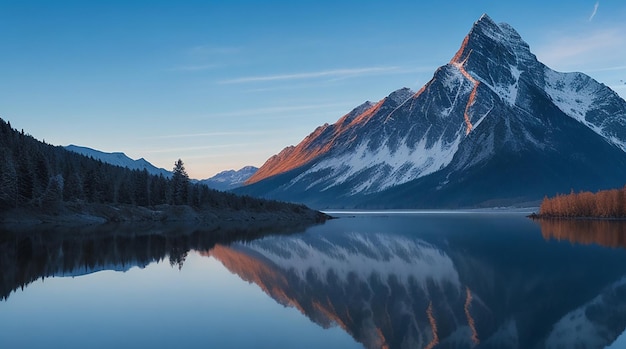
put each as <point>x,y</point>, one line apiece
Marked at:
<point>493,126</point>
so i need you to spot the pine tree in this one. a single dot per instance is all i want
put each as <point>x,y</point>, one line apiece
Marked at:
<point>180,183</point>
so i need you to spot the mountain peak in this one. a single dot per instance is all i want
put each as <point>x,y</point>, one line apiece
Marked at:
<point>401,95</point>
<point>485,21</point>
<point>489,38</point>
<point>484,16</point>
<point>488,27</point>
<point>493,107</point>
<point>495,55</point>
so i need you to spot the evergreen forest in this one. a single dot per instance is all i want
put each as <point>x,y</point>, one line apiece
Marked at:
<point>34,174</point>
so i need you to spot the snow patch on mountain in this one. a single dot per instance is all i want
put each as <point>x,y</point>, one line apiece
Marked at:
<point>392,166</point>
<point>507,92</point>
<point>566,92</point>
<point>576,94</point>
<point>400,96</point>
<point>506,35</point>
<point>454,80</point>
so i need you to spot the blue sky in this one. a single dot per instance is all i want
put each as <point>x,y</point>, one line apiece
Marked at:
<point>224,84</point>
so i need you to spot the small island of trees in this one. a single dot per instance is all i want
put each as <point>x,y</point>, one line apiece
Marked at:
<point>605,204</point>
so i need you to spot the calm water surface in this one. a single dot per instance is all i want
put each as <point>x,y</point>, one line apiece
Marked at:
<point>377,280</point>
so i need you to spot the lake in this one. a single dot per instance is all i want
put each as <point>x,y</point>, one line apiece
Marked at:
<point>399,279</point>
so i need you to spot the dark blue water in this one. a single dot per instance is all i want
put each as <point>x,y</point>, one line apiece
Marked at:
<point>396,280</point>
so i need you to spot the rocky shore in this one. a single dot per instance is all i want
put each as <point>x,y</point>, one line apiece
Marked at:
<point>87,214</point>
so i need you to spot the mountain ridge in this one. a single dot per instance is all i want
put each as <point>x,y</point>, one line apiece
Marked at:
<point>224,181</point>
<point>229,179</point>
<point>493,102</point>
<point>119,159</point>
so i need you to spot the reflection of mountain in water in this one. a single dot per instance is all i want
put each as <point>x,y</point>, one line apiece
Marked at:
<point>367,286</point>
<point>391,291</point>
<point>594,322</point>
<point>456,282</point>
<point>609,233</point>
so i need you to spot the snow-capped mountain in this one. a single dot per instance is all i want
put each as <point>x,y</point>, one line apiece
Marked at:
<point>120,159</point>
<point>493,126</point>
<point>230,179</point>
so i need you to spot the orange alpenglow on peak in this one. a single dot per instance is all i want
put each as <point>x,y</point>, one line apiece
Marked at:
<point>443,146</point>
<point>317,143</point>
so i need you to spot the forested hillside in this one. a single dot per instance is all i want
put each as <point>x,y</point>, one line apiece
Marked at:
<point>34,174</point>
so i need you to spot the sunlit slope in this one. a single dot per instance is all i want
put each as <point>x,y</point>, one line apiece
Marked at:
<point>494,125</point>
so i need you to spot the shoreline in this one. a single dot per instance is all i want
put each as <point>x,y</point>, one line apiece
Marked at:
<point>95,215</point>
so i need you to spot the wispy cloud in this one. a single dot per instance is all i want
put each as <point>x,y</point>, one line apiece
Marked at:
<point>277,109</point>
<point>209,50</point>
<point>595,10</point>
<point>210,134</point>
<point>333,73</point>
<point>590,49</point>
<point>184,149</point>
<point>203,57</point>
<point>197,67</point>
<point>613,68</point>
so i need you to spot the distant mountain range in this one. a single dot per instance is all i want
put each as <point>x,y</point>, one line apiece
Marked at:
<point>494,126</point>
<point>120,159</point>
<point>230,179</point>
<point>225,180</point>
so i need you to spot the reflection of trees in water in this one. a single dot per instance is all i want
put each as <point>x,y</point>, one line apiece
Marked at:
<point>27,256</point>
<point>602,232</point>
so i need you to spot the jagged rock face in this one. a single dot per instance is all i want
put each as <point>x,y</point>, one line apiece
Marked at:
<point>493,112</point>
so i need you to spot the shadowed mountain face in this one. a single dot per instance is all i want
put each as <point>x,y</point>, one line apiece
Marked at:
<point>493,126</point>
<point>403,291</point>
